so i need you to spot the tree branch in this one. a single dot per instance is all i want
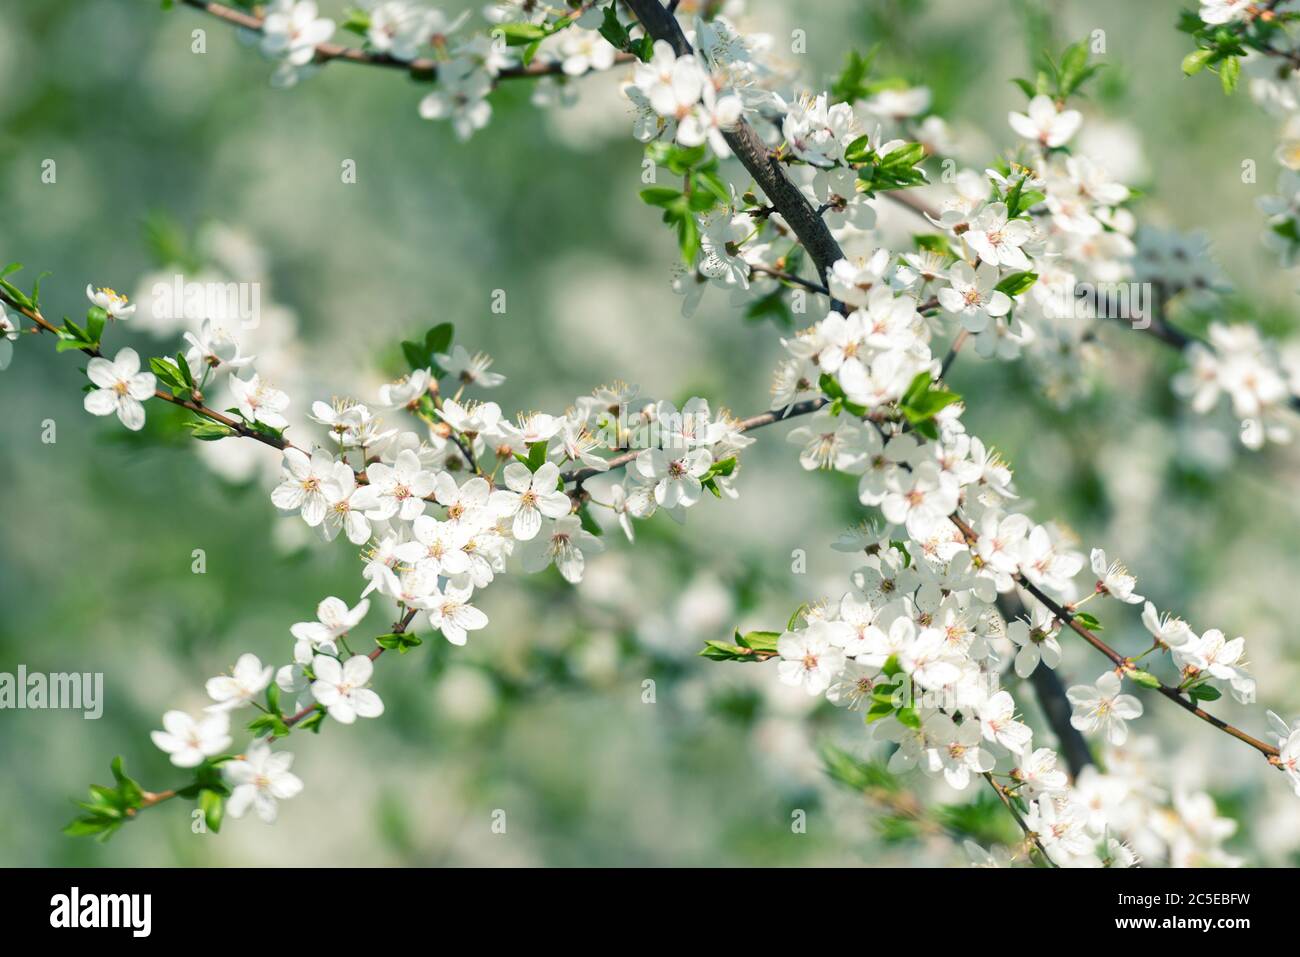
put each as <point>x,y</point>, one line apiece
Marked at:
<point>421,68</point>
<point>753,153</point>
<point>194,403</point>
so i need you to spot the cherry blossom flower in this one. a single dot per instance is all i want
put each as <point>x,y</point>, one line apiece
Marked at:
<point>1037,641</point>
<point>214,349</point>
<point>346,505</point>
<point>111,301</point>
<point>259,402</point>
<point>972,295</point>
<point>9,329</point>
<point>998,240</point>
<point>818,132</point>
<point>341,688</point>
<point>584,51</point>
<point>809,659</point>
<point>1216,12</point>
<point>676,477</point>
<point>1114,579</point>
<point>191,742</point>
<point>852,687</point>
<point>303,488</point>
<point>924,494</point>
<point>1037,772</point>
<point>1061,827</point>
<point>291,30</point>
<point>471,369</point>
<point>246,681</point>
<point>451,613</point>
<point>333,620</point>
<point>565,543</point>
<point>1045,124</point>
<point>460,96</point>
<point>955,750</point>
<point>120,387</point>
<point>400,488</point>
<point>834,442</point>
<point>673,84</point>
<point>407,392</point>
<point>1169,631</point>
<point>1102,708</point>
<point>258,780</point>
<point>528,496</point>
<point>438,548</point>
<point>997,719</point>
<point>714,116</point>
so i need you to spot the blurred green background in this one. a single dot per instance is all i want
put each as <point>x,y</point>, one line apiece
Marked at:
<point>542,715</point>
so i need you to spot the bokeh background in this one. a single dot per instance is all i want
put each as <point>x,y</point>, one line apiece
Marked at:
<point>168,158</point>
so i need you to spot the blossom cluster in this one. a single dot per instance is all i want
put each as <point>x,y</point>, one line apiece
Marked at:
<point>439,512</point>
<point>920,642</point>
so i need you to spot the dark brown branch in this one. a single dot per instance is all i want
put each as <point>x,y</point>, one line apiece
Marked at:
<point>750,149</point>
<point>1121,663</point>
<point>421,68</point>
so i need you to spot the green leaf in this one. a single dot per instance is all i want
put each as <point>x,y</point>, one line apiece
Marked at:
<point>1016,283</point>
<point>1229,73</point>
<point>183,366</point>
<point>87,826</point>
<point>758,640</point>
<point>131,792</point>
<point>520,34</point>
<point>859,150</point>
<point>208,431</point>
<point>402,641</point>
<point>588,521</point>
<point>271,724</point>
<point>1074,65</point>
<point>1205,692</point>
<point>416,356</point>
<point>688,239</point>
<point>1144,678</point>
<point>921,402</point>
<point>903,157</point>
<point>723,467</point>
<point>213,806</point>
<point>1196,61</point>
<point>357,21</point>
<point>909,718</point>
<point>830,386</point>
<point>721,651</point>
<point>95,319</point>
<point>536,455</point>
<point>859,775</point>
<point>1025,87</point>
<point>879,711</point>
<point>916,388</point>
<point>169,374</point>
<point>934,243</point>
<point>313,721</point>
<point>1088,621</point>
<point>612,30</point>
<point>794,618</point>
<point>709,181</point>
<point>438,339</point>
